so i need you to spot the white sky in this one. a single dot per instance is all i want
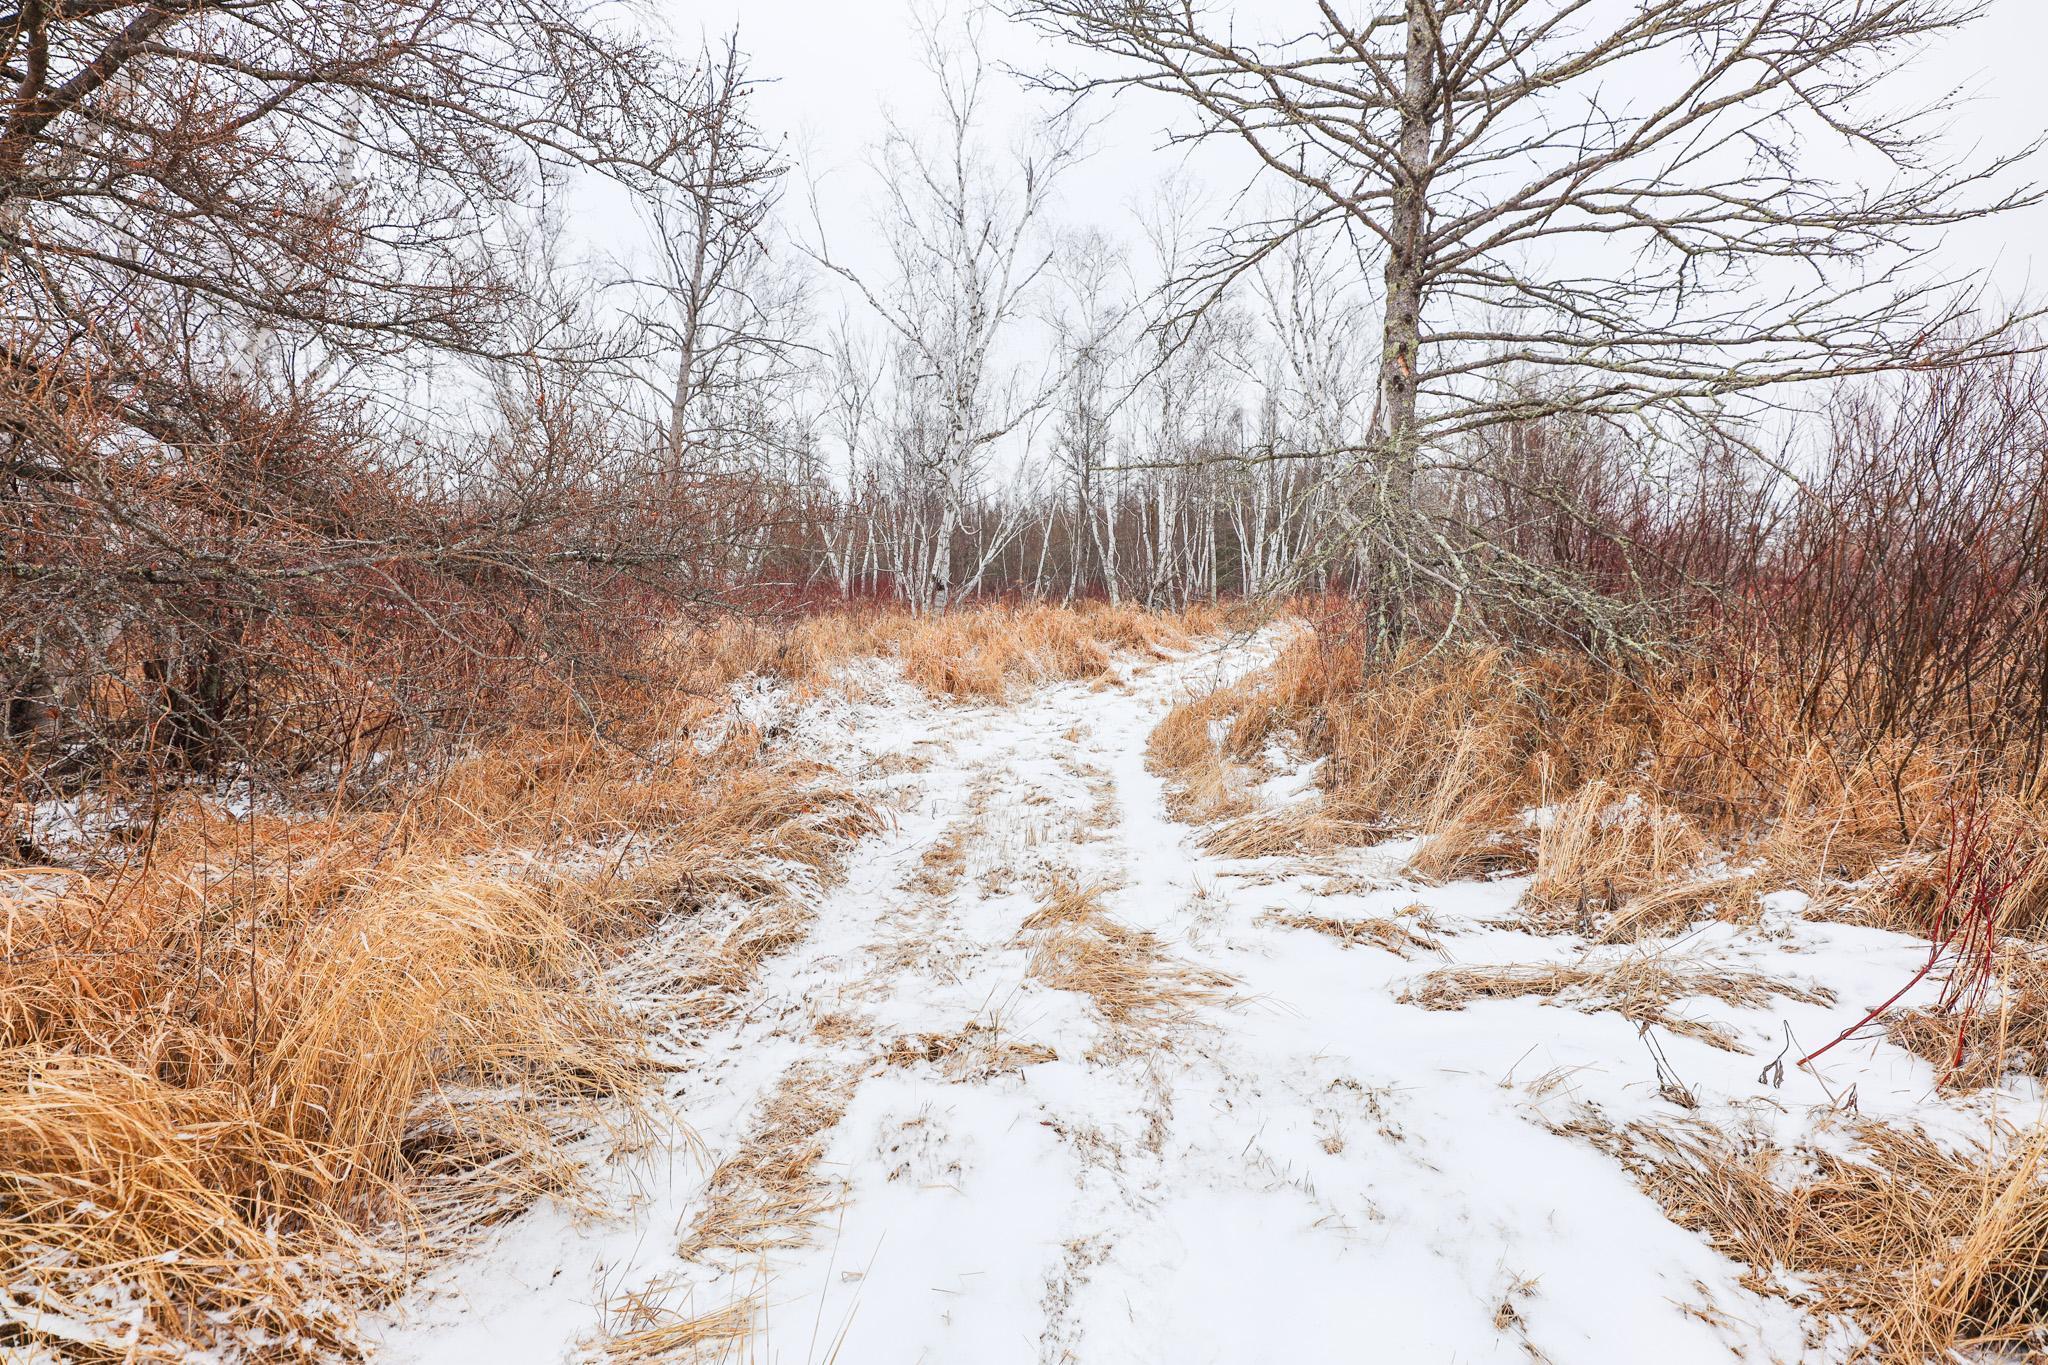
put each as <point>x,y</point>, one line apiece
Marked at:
<point>834,66</point>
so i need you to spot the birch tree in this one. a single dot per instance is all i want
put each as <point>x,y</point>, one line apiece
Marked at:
<point>1091,327</point>
<point>963,227</point>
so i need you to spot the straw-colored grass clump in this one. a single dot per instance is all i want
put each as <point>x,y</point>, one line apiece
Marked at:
<point>1076,944</point>
<point>1400,935</point>
<point>1935,1252</point>
<point>1642,987</point>
<point>250,1074</point>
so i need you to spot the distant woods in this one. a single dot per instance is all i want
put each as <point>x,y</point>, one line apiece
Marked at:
<point>326,434</point>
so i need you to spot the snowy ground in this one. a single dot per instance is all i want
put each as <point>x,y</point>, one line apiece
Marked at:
<point>958,1163</point>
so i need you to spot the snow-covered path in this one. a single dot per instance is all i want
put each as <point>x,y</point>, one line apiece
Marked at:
<point>906,1143</point>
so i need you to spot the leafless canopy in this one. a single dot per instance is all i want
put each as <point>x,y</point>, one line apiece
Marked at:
<point>1612,210</point>
<point>232,233</point>
<point>1588,206</point>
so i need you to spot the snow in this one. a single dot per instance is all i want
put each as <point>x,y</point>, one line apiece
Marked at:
<point>1302,1169</point>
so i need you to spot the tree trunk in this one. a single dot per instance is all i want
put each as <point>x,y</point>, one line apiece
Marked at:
<point>1407,261</point>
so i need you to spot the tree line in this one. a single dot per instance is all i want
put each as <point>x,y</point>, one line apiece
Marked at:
<point>322,429</point>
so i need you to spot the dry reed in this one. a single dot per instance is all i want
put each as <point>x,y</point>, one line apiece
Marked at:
<point>1936,1252</point>
<point>251,1073</point>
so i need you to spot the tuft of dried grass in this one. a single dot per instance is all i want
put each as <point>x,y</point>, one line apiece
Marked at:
<point>2007,1036</point>
<point>768,1194</point>
<point>1077,945</point>
<point>1666,909</point>
<point>642,1327</point>
<point>1936,1252</point>
<point>219,1102</point>
<point>977,1051</point>
<point>1640,987</point>
<point>1299,829</point>
<point>1397,936</point>
<point>1469,818</point>
<point>1612,843</point>
<point>1188,750</point>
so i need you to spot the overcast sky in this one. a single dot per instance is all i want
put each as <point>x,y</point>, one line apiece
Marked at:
<point>834,67</point>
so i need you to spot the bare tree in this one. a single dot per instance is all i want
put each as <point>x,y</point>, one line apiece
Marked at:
<point>967,253</point>
<point>726,318</point>
<point>1089,327</point>
<point>234,237</point>
<point>1626,212</point>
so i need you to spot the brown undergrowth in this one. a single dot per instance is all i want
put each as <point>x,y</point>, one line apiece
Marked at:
<point>983,654</point>
<point>1636,800</point>
<point>251,1068</point>
<point>1932,1251</point>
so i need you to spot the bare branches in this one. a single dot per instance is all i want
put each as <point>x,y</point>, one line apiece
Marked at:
<point>968,253</point>
<point>1635,214</point>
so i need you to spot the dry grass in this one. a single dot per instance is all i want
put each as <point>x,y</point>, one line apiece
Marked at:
<point>976,1052</point>
<point>1640,987</point>
<point>941,866</point>
<point>1308,828</point>
<point>250,1074</point>
<point>768,1194</point>
<point>643,1328</point>
<point>979,653</point>
<point>1206,778</point>
<point>1648,777</point>
<point>1077,945</point>
<point>1398,936</point>
<point>1934,1252</point>
<point>2006,1037</point>
<point>1668,908</point>
<point>1469,820</point>
<point>1612,844</point>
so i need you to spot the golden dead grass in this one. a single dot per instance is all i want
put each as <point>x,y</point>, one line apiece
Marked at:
<point>2005,1036</point>
<point>1077,945</point>
<point>1648,776</point>
<point>977,653</point>
<point>1297,829</point>
<point>1641,987</point>
<point>1190,750</point>
<point>1665,909</point>
<point>253,1074</point>
<point>642,1327</point>
<point>940,867</point>
<point>976,1051</point>
<point>1397,936</point>
<point>769,1194</point>
<point>1612,844</point>
<point>1935,1252</point>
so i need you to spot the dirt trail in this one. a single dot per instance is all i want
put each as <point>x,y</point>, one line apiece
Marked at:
<point>1041,1081</point>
